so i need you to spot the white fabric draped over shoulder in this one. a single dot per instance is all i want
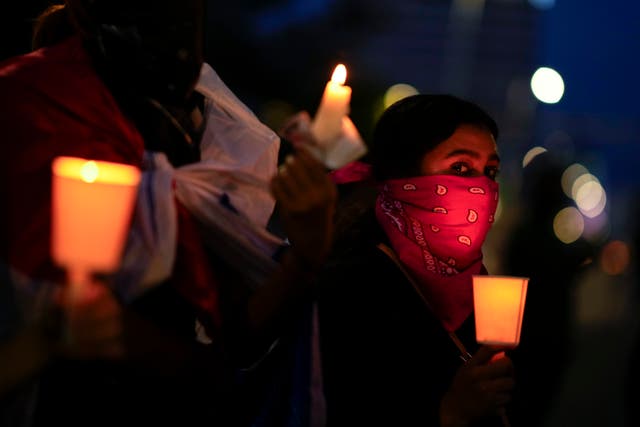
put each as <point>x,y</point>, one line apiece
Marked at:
<point>238,158</point>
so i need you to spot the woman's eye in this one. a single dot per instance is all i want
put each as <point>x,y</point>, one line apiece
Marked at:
<point>492,172</point>
<point>460,168</point>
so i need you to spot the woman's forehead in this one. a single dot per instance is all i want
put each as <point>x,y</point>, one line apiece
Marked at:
<point>468,139</point>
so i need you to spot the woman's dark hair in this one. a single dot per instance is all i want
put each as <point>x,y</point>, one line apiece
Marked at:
<point>415,125</point>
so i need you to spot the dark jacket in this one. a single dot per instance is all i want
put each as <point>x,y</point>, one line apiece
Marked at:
<point>386,359</point>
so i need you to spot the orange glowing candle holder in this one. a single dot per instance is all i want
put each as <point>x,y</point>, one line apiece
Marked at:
<point>499,306</point>
<point>327,123</point>
<point>92,202</point>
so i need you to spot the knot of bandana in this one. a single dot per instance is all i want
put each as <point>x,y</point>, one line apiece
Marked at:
<point>437,225</point>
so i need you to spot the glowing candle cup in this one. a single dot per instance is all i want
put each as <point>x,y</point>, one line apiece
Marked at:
<point>327,123</point>
<point>92,203</point>
<point>499,306</point>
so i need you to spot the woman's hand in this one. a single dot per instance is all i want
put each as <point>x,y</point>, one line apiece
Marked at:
<point>480,388</point>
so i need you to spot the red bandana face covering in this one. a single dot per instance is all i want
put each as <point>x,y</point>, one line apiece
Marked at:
<point>437,225</point>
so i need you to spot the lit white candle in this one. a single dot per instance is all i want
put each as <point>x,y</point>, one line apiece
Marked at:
<point>92,202</point>
<point>327,123</point>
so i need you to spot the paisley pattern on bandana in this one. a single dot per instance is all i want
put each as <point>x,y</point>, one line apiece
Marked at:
<point>437,225</point>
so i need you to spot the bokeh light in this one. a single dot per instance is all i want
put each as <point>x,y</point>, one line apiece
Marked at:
<point>570,175</point>
<point>568,225</point>
<point>615,257</point>
<point>397,92</point>
<point>581,180</point>
<point>591,198</point>
<point>547,85</point>
<point>531,154</point>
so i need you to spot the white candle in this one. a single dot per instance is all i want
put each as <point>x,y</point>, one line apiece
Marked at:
<point>327,123</point>
<point>92,202</point>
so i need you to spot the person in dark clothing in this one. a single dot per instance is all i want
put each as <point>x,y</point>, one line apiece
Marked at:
<point>121,86</point>
<point>396,307</point>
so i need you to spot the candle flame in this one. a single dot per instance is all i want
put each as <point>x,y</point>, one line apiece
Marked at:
<point>89,171</point>
<point>339,75</point>
<point>95,171</point>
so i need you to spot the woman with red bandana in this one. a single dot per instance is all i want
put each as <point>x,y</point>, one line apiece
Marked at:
<point>395,317</point>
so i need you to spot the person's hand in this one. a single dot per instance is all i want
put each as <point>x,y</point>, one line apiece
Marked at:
<point>93,323</point>
<point>480,388</point>
<point>306,197</point>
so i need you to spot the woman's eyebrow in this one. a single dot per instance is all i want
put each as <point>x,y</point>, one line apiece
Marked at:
<point>470,153</point>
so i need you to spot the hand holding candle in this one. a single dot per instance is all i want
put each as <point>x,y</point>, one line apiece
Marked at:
<point>499,307</point>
